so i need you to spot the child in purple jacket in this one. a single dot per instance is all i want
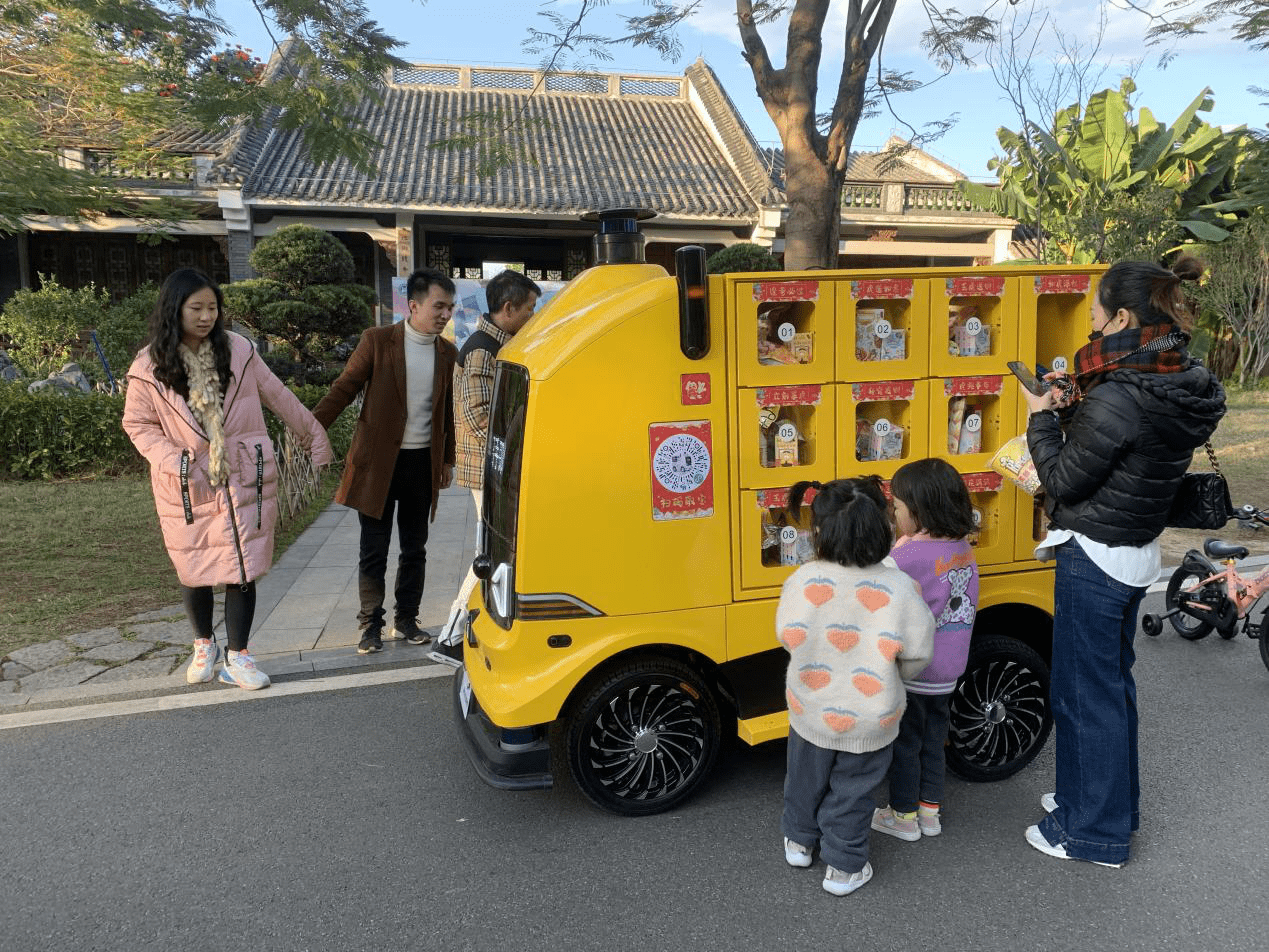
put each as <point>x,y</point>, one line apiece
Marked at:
<point>934,517</point>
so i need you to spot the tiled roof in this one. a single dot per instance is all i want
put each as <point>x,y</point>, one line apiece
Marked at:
<point>599,141</point>
<point>872,167</point>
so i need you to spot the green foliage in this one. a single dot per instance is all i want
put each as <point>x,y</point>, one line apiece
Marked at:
<point>304,298</point>
<point>744,256</point>
<point>118,77</point>
<point>1236,292</point>
<point>45,324</point>
<point>48,435</point>
<point>1098,184</point>
<point>298,256</point>
<point>123,329</point>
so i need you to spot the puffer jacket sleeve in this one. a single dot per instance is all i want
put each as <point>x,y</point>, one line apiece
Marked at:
<point>1099,435</point>
<point>294,414</point>
<point>142,424</point>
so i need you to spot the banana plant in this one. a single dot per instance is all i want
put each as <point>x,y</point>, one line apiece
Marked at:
<point>1098,177</point>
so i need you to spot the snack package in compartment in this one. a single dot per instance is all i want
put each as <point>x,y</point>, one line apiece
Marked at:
<point>785,444</point>
<point>971,438</point>
<point>766,417</point>
<point>888,445</point>
<point>863,440</point>
<point>973,345</point>
<point>770,534</point>
<point>771,350</point>
<point>955,421</point>
<point>894,347</point>
<point>805,547</point>
<point>867,344</point>
<point>800,347</point>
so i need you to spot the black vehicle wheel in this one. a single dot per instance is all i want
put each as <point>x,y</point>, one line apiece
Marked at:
<point>1000,714</point>
<point>1187,626</point>
<point>1264,637</point>
<point>1152,625</point>
<point>644,738</point>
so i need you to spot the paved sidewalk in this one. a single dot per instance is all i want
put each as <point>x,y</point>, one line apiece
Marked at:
<point>305,622</point>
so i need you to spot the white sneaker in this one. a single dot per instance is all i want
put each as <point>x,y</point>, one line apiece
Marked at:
<point>843,884</point>
<point>796,855</point>
<point>1036,839</point>
<point>241,670</point>
<point>1049,802</point>
<point>928,821</point>
<point>203,665</point>
<point>885,820</point>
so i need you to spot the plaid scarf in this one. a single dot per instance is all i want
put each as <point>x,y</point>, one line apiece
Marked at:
<point>1155,349</point>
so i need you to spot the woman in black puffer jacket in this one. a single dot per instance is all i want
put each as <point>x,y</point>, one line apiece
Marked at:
<point>1110,455</point>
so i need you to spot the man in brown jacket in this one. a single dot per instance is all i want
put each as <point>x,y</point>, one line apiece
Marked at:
<point>402,453</point>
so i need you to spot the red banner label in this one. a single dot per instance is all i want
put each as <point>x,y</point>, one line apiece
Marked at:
<point>1062,284</point>
<point>682,470</point>
<point>769,291</point>
<point>982,482</point>
<point>694,389</point>
<point>975,286</point>
<point>883,390</point>
<point>881,289</point>
<point>793,395</point>
<point>973,386</point>
<point>779,498</point>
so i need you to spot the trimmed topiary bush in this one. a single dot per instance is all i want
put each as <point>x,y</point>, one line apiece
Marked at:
<point>745,256</point>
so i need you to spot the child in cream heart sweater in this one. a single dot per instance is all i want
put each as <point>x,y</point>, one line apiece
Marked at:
<point>854,629</point>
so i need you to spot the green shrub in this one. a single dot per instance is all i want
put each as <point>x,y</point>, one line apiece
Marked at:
<point>122,330</point>
<point>49,435</point>
<point>45,325</point>
<point>745,256</point>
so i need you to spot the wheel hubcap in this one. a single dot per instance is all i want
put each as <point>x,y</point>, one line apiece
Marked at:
<point>646,742</point>
<point>997,713</point>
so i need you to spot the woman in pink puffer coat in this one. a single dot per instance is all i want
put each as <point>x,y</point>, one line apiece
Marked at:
<point>193,410</point>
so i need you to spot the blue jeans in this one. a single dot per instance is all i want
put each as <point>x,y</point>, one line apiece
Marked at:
<point>1094,700</point>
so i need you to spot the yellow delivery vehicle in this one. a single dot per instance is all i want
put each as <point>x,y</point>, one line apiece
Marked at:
<point>643,434</point>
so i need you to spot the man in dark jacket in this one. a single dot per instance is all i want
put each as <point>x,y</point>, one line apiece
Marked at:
<point>402,453</point>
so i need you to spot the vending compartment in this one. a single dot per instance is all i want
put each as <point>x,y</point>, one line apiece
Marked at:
<point>993,501</point>
<point>785,331</point>
<point>994,401</point>
<point>1054,314</point>
<point>893,343</point>
<point>762,516</point>
<point>980,313</point>
<point>1031,524</point>
<point>869,413</point>
<point>786,434</point>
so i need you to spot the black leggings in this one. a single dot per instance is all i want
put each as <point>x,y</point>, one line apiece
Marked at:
<point>240,609</point>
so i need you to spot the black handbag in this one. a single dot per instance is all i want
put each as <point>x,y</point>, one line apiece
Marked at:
<point>1202,501</point>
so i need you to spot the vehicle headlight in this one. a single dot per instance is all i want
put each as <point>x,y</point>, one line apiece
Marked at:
<point>500,589</point>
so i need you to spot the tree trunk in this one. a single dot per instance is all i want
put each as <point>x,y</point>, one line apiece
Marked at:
<point>813,226</point>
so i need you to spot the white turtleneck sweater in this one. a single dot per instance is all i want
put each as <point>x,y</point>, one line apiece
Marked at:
<point>420,369</point>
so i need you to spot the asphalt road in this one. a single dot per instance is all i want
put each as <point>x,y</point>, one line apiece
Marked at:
<point>351,820</point>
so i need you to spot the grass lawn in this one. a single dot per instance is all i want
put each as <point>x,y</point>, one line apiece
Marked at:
<point>83,554</point>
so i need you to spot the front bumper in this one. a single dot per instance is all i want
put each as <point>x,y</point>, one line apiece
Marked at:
<point>526,767</point>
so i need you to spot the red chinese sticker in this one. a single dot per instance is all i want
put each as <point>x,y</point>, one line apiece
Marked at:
<point>968,285</point>
<point>694,389</point>
<point>682,470</point>
<point>973,386</point>
<point>883,390</point>
<point>881,289</point>
<point>1062,284</point>
<point>793,395</point>
<point>769,291</point>
<point>982,482</point>
<point>779,498</point>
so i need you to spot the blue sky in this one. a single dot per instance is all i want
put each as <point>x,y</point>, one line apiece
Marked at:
<point>490,32</point>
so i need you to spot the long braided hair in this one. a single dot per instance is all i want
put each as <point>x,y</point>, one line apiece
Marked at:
<point>165,330</point>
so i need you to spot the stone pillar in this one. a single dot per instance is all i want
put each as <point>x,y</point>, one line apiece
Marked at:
<point>237,218</point>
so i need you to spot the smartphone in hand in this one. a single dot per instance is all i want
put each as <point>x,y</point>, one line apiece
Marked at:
<point>1029,380</point>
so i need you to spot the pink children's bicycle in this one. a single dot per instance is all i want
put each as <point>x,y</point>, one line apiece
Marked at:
<point>1201,597</point>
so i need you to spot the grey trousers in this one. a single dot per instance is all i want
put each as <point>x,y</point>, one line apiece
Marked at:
<point>919,767</point>
<point>828,800</point>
